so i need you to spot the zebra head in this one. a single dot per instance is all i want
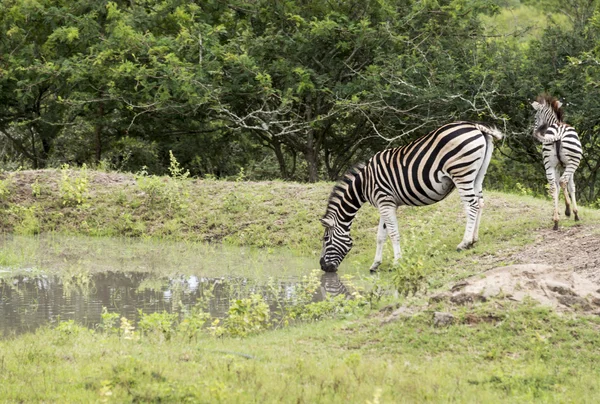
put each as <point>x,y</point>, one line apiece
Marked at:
<point>336,244</point>
<point>548,112</point>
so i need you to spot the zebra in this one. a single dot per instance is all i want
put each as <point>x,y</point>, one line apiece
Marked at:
<point>420,173</point>
<point>561,148</point>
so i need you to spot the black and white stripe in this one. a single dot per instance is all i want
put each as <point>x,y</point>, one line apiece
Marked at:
<point>561,151</point>
<point>421,173</point>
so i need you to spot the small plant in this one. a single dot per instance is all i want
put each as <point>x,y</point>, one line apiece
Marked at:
<point>410,275</point>
<point>73,189</point>
<point>127,329</point>
<point>5,186</point>
<point>36,189</point>
<point>175,169</point>
<point>171,192</point>
<point>245,317</point>
<point>28,221</point>
<point>159,324</point>
<point>241,175</point>
<point>109,321</point>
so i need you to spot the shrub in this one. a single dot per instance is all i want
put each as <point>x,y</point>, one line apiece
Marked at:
<point>73,188</point>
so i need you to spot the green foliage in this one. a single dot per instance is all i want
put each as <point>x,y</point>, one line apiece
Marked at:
<point>411,274</point>
<point>36,189</point>
<point>171,193</point>
<point>5,187</point>
<point>109,321</point>
<point>245,317</point>
<point>28,222</point>
<point>73,186</point>
<point>157,324</point>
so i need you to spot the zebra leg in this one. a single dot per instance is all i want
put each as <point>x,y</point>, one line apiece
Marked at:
<point>571,188</point>
<point>381,237</point>
<point>478,220</point>
<point>388,216</point>
<point>472,207</point>
<point>554,193</point>
<point>563,185</point>
<point>478,185</point>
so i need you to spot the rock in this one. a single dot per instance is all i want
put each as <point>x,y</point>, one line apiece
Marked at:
<point>466,298</point>
<point>560,288</point>
<point>571,301</point>
<point>595,301</point>
<point>401,312</point>
<point>458,286</point>
<point>389,308</point>
<point>440,297</point>
<point>441,319</point>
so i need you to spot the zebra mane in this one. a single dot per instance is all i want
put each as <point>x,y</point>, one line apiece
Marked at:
<point>343,183</point>
<point>553,103</point>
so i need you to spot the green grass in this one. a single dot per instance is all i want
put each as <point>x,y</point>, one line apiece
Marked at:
<point>492,354</point>
<point>271,215</point>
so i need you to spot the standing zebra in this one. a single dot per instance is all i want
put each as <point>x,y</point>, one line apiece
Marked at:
<point>561,147</point>
<point>421,173</point>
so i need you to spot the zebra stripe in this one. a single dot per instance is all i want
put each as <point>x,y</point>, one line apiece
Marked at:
<point>421,173</point>
<point>561,148</point>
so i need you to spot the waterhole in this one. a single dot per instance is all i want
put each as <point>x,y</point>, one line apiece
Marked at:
<point>50,278</point>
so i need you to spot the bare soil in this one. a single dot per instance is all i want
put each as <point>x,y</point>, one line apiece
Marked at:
<point>561,269</point>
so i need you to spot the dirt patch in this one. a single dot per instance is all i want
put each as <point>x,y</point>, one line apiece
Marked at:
<point>575,249</point>
<point>560,269</point>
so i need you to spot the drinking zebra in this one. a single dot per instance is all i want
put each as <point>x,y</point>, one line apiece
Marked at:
<point>561,148</point>
<point>421,173</point>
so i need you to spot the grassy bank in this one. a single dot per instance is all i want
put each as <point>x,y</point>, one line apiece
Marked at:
<point>264,214</point>
<point>494,351</point>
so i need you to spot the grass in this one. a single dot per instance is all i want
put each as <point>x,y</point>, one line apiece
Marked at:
<point>268,215</point>
<point>492,353</point>
<point>496,351</point>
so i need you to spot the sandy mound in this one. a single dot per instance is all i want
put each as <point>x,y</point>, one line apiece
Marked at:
<point>544,283</point>
<point>560,269</point>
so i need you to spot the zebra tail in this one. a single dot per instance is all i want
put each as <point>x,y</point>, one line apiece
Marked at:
<point>489,130</point>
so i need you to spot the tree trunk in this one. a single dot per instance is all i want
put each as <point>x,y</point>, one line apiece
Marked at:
<point>280,160</point>
<point>98,135</point>
<point>311,160</point>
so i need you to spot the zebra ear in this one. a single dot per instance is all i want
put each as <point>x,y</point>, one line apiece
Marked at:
<point>536,105</point>
<point>558,104</point>
<point>327,222</point>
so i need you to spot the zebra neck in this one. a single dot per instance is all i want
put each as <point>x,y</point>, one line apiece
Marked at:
<point>345,201</point>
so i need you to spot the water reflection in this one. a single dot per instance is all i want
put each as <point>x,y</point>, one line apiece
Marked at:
<point>332,285</point>
<point>28,302</point>
<point>48,277</point>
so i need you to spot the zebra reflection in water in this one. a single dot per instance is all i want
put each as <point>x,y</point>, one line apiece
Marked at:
<point>332,286</point>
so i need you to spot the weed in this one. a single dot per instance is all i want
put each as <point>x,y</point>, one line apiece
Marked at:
<point>73,188</point>
<point>411,274</point>
<point>28,222</point>
<point>245,317</point>
<point>5,188</point>
<point>171,193</point>
<point>36,189</point>
<point>127,329</point>
<point>109,321</point>
<point>157,324</point>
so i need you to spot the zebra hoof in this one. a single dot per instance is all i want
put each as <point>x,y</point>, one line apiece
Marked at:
<point>463,246</point>
<point>568,212</point>
<point>576,217</point>
<point>555,226</point>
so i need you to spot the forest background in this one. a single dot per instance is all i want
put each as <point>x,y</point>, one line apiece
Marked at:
<point>296,90</point>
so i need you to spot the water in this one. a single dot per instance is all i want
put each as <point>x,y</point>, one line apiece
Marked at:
<point>47,279</point>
